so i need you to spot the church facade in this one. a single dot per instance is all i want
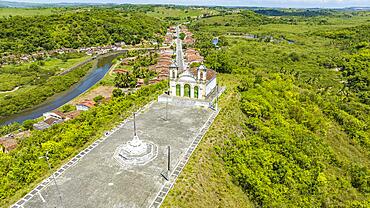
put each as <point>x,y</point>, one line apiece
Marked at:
<point>195,83</point>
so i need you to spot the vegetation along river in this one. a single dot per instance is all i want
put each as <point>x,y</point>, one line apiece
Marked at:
<point>89,80</point>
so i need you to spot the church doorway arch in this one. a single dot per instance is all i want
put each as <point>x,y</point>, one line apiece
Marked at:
<point>178,90</point>
<point>186,90</point>
<point>196,92</point>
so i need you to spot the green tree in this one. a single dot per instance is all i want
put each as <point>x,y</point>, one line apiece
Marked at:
<point>98,98</point>
<point>67,108</point>
<point>182,36</point>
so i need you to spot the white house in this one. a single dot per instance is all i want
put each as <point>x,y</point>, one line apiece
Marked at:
<point>54,114</point>
<point>85,105</point>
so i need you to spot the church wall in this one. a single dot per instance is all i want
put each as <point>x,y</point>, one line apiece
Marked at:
<point>173,88</point>
<point>204,89</point>
<point>210,86</point>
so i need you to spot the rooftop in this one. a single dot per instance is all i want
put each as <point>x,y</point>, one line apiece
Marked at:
<point>73,114</point>
<point>9,144</point>
<point>87,103</point>
<point>210,73</point>
<point>51,121</point>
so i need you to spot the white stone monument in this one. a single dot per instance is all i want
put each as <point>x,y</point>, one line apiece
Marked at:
<point>135,152</point>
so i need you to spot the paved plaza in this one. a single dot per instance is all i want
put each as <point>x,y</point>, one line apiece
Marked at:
<point>98,180</point>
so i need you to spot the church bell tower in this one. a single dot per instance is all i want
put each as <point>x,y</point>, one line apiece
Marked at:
<point>174,71</point>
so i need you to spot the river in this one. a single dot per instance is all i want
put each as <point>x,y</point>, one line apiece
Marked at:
<point>89,80</point>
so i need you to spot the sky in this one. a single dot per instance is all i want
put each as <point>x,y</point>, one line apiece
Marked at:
<point>259,3</point>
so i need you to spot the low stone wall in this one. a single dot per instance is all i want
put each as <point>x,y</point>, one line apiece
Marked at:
<point>179,101</point>
<point>188,102</point>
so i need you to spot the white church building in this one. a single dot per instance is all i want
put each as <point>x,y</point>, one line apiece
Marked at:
<point>196,83</point>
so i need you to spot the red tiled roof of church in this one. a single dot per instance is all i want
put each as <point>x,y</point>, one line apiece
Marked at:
<point>210,73</point>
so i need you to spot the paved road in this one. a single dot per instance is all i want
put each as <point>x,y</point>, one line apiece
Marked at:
<point>179,52</point>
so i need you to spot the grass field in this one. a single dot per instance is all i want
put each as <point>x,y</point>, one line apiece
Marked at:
<point>11,76</point>
<point>6,12</point>
<point>227,24</point>
<point>183,14</point>
<point>38,81</point>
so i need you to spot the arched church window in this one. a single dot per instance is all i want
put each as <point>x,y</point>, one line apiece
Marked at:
<point>196,92</point>
<point>187,90</point>
<point>178,90</point>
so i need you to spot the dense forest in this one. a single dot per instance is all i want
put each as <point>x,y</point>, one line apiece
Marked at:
<point>293,12</point>
<point>294,126</point>
<point>76,28</point>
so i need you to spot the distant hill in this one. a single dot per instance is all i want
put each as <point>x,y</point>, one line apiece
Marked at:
<point>11,4</point>
<point>358,9</point>
<point>294,12</point>
<point>17,4</point>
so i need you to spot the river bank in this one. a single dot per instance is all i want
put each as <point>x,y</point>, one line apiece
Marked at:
<point>61,98</point>
<point>9,91</point>
<point>100,67</point>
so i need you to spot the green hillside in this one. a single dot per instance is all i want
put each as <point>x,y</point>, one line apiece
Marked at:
<point>293,130</point>
<point>76,28</point>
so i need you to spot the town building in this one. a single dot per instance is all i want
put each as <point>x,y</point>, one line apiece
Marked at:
<point>120,71</point>
<point>72,115</point>
<point>7,145</point>
<point>48,122</point>
<point>85,105</point>
<point>193,56</point>
<point>10,141</point>
<point>50,118</point>
<point>54,114</point>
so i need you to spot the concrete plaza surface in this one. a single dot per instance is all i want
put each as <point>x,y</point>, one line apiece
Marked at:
<point>98,180</point>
